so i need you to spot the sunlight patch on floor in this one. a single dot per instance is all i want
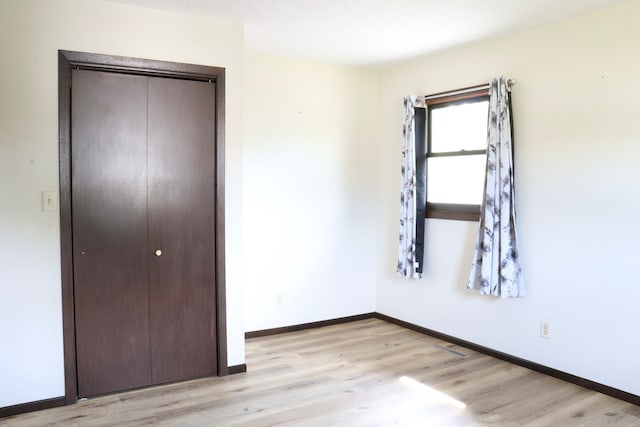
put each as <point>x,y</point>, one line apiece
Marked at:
<point>431,393</point>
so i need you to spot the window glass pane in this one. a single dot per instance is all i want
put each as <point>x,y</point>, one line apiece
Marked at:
<point>459,127</point>
<point>458,179</point>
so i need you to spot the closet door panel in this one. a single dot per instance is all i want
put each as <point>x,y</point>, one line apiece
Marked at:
<point>109,208</point>
<point>181,219</point>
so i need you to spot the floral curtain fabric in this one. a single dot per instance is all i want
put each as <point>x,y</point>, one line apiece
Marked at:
<point>408,262</point>
<point>496,266</point>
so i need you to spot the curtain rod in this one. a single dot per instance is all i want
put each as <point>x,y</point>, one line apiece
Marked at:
<point>510,82</point>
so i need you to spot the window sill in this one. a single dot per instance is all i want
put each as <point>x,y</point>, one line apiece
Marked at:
<point>453,212</point>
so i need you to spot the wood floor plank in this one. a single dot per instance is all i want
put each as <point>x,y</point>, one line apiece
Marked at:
<point>363,373</point>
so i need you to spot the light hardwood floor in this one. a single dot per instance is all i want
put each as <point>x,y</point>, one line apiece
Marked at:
<point>364,373</point>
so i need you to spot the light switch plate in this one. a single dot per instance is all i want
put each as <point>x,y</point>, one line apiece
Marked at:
<point>49,201</point>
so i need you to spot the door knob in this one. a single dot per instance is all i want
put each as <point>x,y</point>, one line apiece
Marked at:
<point>158,252</point>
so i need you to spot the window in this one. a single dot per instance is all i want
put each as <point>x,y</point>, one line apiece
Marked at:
<point>456,153</point>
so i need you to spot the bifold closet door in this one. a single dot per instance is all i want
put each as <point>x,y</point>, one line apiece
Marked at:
<point>143,207</point>
<point>109,206</point>
<point>182,227</point>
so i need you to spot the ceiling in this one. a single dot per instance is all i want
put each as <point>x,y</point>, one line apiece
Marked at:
<point>374,32</point>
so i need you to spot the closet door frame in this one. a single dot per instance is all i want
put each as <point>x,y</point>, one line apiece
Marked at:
<point>68,60</point>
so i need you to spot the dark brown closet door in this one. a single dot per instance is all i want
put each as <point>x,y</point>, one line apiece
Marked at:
<point>182,226</point>
<point>110,253</point>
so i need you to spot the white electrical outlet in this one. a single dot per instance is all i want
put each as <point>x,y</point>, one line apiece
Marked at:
<point>278,299</point>
<point>544,329</point>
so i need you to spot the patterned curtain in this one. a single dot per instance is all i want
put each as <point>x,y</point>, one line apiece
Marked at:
<point>496,265</point>
<point>410,250</point>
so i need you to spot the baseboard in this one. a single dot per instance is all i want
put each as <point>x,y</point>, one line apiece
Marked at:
<point>311,325</point>
<point>237,369</point>
<point>22,408</point>
<point>583,382</point>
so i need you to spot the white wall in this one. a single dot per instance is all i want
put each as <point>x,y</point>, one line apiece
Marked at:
<point>31,32</point>
<point>310,136</point>
<point>577,148</point>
